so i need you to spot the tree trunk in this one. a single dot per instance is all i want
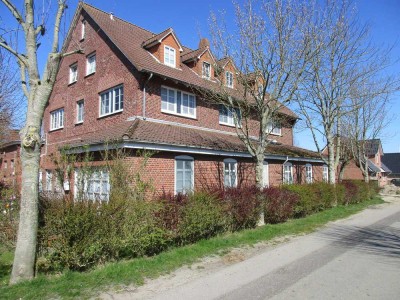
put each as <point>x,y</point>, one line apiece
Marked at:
<point>331,162</point>
<point>25,252</point>
<point>365,173</point>
<point>260,171</point>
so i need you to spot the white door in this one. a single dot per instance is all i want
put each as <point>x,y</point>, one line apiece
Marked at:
<point>265,174</point>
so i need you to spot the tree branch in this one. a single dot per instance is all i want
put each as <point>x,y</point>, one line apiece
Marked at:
<point>13,52</point>
<point>14,11</point>
<point>78,51</point>
<point>60,11</point>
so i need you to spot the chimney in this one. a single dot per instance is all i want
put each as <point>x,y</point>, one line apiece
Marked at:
<point>204,43</point>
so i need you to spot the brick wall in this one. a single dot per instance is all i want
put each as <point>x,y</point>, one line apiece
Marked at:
<point>10,157</point>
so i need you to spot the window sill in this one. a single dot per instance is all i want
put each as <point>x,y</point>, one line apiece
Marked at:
<point>179,115</point>
<point>56,129</point>
<point>72,83</point>
<point>88,75</point>
<point>276,134</point>
<point>78,123</point>
<point>229,125</point>
<point>110,114</point>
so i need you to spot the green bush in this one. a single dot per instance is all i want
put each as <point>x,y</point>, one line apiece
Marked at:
<point>308,200</point>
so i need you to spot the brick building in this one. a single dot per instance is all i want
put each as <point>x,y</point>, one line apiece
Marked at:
<point>10,168</point>
<point>139,88</point>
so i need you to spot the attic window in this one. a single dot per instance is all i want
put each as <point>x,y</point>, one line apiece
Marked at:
<point>206,70</point>
<point>169,56</point>
<point>229,79</point>
<point>83,29</point>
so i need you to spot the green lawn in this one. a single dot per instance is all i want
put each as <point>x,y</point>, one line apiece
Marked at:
<point>83,285</point>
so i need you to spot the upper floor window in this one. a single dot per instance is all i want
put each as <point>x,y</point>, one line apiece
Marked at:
<point>178,102</point>
<point>274,128</point>
<point>5,164</point>
<point>83,29</point>
<point>227,115</point>
<point>169,56</point>
<point>309,175</point>
<point>73,73</point>
<point>230,172</point>
<point>91,64</point>
<point>206,70</point>
<point>80,105</point>
<point>184,174</point>
<point>112,101</point>
<point>229,79</point>
<point>57,119</point>
<point>287,173</point>
<point>325,173</point>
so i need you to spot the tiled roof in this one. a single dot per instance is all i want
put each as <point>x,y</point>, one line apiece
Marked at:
<point>374,168</point>
<point>157,37</point>
<point>175,135</point>
<point>192,54</point>
<point>10,137</point>
<point>372,146</point>
<point>385,168</point>
<point>392,160</point>
<point>129,39</point>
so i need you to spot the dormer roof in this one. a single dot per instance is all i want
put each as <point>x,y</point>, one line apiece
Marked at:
<point>196,54</point>
<point>158,38</point>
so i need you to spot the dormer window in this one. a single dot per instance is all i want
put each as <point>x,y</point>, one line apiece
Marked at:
<point>73,73</point>
<point>229,79</point>
<point>206,70</point>
<point>169,56</point>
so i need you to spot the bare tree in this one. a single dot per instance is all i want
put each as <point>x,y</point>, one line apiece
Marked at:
<point>269,48</point>
<point>37,89</point>
<point>345,58</point>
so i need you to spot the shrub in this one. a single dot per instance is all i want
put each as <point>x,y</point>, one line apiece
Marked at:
<point>242,205</point>
<point>308,201</point>
<point>325,194</point>
<point>9,215</point>
<point>278,204</point>
<point>202,217</point>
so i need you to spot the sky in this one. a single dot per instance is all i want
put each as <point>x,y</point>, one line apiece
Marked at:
<point>189,19</point>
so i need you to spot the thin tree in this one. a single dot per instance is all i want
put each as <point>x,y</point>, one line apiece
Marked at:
<point>37,89</point>
<point>345,58</point>
<point>269,46</point>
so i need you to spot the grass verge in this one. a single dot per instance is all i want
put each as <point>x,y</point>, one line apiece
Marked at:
<point>83,285</point>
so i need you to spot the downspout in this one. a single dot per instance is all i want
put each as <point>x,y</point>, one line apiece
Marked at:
<point>144,96</point>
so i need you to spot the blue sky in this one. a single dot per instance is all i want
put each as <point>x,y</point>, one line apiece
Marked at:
<point>190,21</point>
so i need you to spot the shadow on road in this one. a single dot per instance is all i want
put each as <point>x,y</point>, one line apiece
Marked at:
<point>379,240</point>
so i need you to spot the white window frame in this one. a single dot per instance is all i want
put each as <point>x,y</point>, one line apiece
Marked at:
<point>229,79</point>
<point>206,70</point>
<point>274,128</point>
<point>230,166</point>
<point>177,104</point>
<point>112,92</point>
<point>57,119</point>
<point>183,158</point>
<point>91,65</point>
<point>73,73</point>
<point>325,173</point>
<point>230,119</point>
<point>83,29</point>
<point>80,111</point>
<point>99,177</point>
<point>309,173</point>
<point>287,170</point>
<point>170,56</point>
<point>49,181</point>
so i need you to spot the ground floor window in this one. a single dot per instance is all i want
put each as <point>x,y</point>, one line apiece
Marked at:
<point>230,172</point>
<point>325,173</point>
<point>184,174</point>
<point>288,173</point>
<point>92,184</point>
<point>309,174</point>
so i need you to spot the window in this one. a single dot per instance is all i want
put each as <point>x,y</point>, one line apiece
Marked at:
<point>73,73</point>
<point>40,181</point>
<point>309,176</point>
<point>80,111</point>
<point>230,172</point>
<point>229,79</point>
<point>178,102</point>
<point>49,181</point>
<point>169,56</point>
<point>92,185</point>
<point>184,174</point>
<point>83,29</point>
<point>325,173</point>
<point>112,101</point>
<point>287,173</point>
<point>91,64</point>
<point>5,164</point>
<point>206,70</point>
<point>274,127</point>
<point>12,166</point>
<point>57,119</point>
<point>227,116</point>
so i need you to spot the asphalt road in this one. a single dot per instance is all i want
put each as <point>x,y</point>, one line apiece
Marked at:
<point>356,258</point>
